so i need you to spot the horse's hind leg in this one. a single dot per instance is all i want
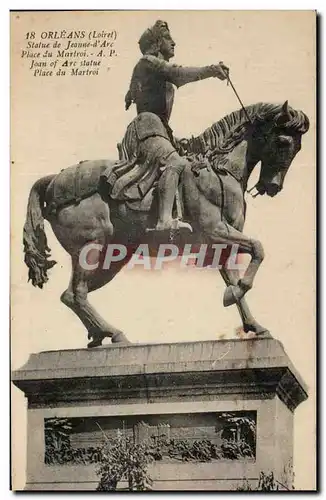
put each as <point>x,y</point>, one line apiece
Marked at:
<point>231,277</point>
<point>75,297</point>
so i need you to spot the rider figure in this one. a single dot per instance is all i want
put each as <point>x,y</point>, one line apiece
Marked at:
<point>152,90</point>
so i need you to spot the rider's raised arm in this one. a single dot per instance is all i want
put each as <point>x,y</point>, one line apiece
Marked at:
<point>181,75</point>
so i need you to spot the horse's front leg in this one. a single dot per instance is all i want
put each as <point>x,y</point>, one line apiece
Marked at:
<point>207,218</point>
<point>223,233</point>
<point>231,277</point>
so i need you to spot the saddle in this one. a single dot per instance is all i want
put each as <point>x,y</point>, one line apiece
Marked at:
<point>74,184</point>
<point>80,181</point>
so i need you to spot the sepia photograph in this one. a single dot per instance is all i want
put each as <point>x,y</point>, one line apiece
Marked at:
<point>163,250</point>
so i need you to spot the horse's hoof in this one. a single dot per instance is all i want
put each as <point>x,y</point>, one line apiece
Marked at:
<point>96,342</point>
<point>265,334</point>
<point>257,329</point>
<point>229,297</point>
<point>119,338</point>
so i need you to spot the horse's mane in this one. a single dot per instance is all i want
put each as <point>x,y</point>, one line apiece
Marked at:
<point>224,135</point>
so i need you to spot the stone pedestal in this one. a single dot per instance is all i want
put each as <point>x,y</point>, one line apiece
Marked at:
<point>186,389</point>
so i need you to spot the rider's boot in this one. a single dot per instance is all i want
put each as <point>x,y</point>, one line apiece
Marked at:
<point>167,188</point>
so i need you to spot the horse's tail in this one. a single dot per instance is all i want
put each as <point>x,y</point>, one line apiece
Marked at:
<point>36,250</point>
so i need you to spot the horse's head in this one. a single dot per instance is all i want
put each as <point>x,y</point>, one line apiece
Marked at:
<point>281,141</point>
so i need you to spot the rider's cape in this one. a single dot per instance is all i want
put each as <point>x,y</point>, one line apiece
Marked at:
<point>138,168</point>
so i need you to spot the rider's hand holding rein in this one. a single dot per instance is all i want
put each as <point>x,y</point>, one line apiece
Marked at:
<point>220,71</point>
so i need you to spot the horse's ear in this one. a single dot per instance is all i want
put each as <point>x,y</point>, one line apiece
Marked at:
<point>285,108</point>
<point>285,115</point>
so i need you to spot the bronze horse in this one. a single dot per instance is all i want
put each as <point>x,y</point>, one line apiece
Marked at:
<point>213,199</point>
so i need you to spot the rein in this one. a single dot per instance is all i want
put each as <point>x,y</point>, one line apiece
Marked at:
<point>238,97</point>
<point>229,82</point>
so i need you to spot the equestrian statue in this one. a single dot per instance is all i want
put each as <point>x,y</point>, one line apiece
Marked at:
<point>162,188</point>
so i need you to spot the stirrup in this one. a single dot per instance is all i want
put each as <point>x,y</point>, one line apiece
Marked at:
<point>176,225</point>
